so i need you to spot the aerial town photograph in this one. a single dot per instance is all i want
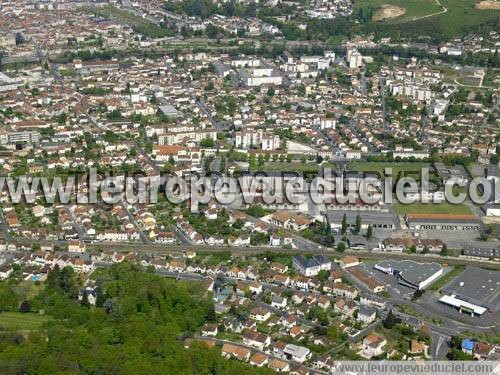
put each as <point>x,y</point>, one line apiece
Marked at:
<point>249,187</point>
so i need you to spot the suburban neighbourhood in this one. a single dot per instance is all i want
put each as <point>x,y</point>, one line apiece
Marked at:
<point>260,92</point>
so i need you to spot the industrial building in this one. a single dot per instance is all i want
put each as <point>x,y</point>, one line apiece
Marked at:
<point>377,219</point>
<point>411,274</point>
<point>474,291</point>
<point>481,252</point>
<point>445,222</point>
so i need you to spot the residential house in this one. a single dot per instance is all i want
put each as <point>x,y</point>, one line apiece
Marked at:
<point>279,302</point>
<point>279,365</point>
<point>260,314</point>
<point>259,360</point>
<point>372,346</point>
<point>340,289</point>
<point>209,330</point>
<point>349,261</point>
<point>256,339</point>
<point>418,347</point>
<point>232,350</point>
<point>346,308</point>
<point>5,271</point>
<point>367,314</point>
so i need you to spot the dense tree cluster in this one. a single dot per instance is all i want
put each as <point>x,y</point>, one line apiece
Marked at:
<point>135,328</point>
<point>207,8</point>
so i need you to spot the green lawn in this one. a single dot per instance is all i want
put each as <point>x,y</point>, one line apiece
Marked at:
<point>442,281</point>
<point>462,17</point>
<point>490,77</point>
<point>404,168</point>
<point>20,321</point>
<point>288,167</point>
<point>431,208</point>
<point>139,24</point>
<point>470,81</point>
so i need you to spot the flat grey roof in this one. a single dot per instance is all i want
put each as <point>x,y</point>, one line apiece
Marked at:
<point>448,220</point>
<point>168,109</point>
<point>295,350</point>
<point>315,261</point>
<point>483,252</point>
<point>366,310</point>
<point>412,271</point>
<point>478,286</point>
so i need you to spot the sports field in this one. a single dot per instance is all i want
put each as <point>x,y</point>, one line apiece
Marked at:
<point>431,208</point>
<point>399,169</point>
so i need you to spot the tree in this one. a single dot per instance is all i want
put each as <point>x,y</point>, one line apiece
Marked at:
<point>335,334</point>
<point>343,230</point>
<point>211,316</point>
<point>357,227</point>
<point>85,300</point>
<point>53,278</point>
<point>341,247</point>
<point>456,342</point>
<point>323,275</point>
<point>238,224</point>
<point>257,211</point>
<point>100,297</point>
<point>25,307</point>
<point>207,142</point>
<point>68,282</point>
<point>458,355</point>
<point>112,307</point>
<point>163,308</point>
<point>369,232</point>
<point>8,299</point>
<point>390,321</point>
<point>418,293</point>
<point>444,251</point>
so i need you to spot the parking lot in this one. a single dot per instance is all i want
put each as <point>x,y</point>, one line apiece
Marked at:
<point>391,282</point>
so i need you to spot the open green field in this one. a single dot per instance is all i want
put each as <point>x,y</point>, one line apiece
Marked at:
<point>432,208</point>
<point>20,321</point>
<point>403,168</point>
<point>460,17</point>
<point>289,167</point>
<point>490,77</point>
<point>414,8</point>
<point>139,24</point>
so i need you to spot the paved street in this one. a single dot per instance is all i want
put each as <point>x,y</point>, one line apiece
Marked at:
<point>5,227</point>
<point>439,346</point>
